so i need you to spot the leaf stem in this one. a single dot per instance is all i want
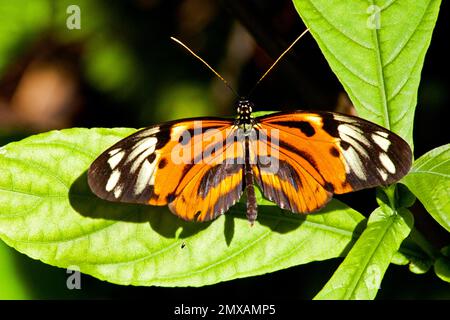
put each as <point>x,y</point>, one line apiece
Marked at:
<point>391,192</point>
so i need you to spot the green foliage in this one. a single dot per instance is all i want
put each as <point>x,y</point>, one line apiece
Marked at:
<point>442,268</point>
<point>442,265</point>
<point>20,20</point>
<point>12,285</point>
<point>376,49</point>
<point>429,180</point>
<point>48,212</point>
<point>359,275</point>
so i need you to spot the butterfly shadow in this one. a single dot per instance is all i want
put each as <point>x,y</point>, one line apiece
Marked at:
<point>283,221</point>
<point>165,223</point>
<point>270,216</point>
<point>160,219</point>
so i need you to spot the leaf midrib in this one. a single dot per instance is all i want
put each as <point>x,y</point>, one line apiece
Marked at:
<point>429,173</point>
<point>369,258</point>
<point>380,73</point>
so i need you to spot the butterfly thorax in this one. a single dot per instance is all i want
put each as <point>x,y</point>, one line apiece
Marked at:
<point>244,119</point>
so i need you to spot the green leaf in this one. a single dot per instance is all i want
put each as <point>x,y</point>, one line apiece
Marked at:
<point>20,22</point>
<point>429,180</point>
<point>419,258</point>
<point>263,113</point>
<point>400,259</point>
<point>12,284</point>
<point>442,268</point>
<point>359,275</point>
<point>48,212</point>
<point>405,197</point>
<point>376,48</point>
<point>446,251</point>
<point>420,266</point>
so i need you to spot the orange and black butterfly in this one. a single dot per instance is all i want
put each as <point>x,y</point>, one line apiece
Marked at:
<point>200,167</point>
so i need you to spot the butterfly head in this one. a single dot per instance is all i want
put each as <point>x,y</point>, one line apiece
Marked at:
<point>244,109</point>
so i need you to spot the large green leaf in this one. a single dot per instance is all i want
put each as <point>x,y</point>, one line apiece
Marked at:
<point>429,180</point>
<point>359,275</point>
<point>377,49</point>
<point>48,212</point>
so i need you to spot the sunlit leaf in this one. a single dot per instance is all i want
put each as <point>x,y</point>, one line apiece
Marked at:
<point>48,212</point>
<point>429,180</point>
<point>359,275</point>
<point>442,268</point>
<point>376,49</point>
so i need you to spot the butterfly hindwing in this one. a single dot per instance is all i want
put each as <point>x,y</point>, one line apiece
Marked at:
<point>210,193</point>
<point>292,188</point>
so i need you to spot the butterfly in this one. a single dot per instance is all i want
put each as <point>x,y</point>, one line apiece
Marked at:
<point>200,167</point>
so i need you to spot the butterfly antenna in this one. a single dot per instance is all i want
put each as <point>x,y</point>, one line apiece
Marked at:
<point>276,61</point>
<point>206,64</point>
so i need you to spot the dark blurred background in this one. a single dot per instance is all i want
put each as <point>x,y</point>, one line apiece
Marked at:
<point>122,70</point>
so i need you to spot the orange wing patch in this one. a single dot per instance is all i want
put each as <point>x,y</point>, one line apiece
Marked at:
<point>292,187</point>
<point>208,189</point>
<point>304,143</point>
<point>211,192</point>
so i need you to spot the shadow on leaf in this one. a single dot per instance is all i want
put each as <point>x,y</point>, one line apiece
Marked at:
<point>160,219</point>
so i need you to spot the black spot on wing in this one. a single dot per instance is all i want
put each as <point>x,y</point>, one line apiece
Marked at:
<point>184,139</point>
<point>163,138</point>
<point>191,133</point>
<point>162,163</point>
<point>344,144</point>
<point>334,152</point>
<point>330,124</point>
<point>170,197</point>
<point>329,187</point>
<point>151,157</point>
<point>304,126</point>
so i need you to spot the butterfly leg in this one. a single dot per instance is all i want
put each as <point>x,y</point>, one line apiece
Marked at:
<point>252,207</point>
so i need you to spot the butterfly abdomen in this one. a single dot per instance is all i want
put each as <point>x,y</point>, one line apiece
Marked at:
<point>252,208</point>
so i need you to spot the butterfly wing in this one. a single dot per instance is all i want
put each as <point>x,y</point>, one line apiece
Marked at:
<point>321,153</point>
<point>170,164</point>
